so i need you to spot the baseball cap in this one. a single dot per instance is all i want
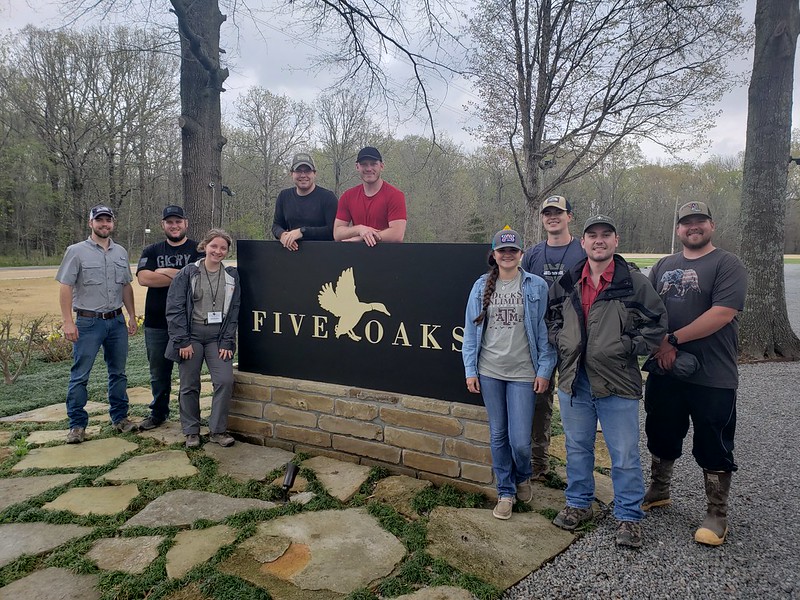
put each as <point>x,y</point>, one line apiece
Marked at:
<point>558,202</point>
<point>507,238</point>
<point>369,153</point>
<point>303,158</point>
<point>600,220</point>
<point>99,211</point>
<point>693,208</point>
<point>174,211</point>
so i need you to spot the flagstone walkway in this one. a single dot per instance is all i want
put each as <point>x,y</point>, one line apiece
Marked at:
<point>138,504</point>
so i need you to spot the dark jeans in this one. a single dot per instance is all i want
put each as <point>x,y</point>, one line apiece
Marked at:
<point>670,403</point>
<point>156,341</point>
<point>112,335</point>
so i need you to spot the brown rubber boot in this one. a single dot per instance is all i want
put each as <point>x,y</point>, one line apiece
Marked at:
<point>658,492</point>
<point>714,527</point>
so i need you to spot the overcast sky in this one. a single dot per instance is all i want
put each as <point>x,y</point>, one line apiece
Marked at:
<point>274,58</point>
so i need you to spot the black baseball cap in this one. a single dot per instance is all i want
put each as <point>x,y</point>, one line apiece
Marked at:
<point>369,153</point>
<point>174,211</point>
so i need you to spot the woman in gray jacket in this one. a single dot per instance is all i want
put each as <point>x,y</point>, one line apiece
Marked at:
<point>202,317</point>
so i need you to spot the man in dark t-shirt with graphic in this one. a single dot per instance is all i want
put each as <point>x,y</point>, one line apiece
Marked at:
<point>306,211</point>
<point>157,268</point>
<point>703,288</point>
<point>550,259</point>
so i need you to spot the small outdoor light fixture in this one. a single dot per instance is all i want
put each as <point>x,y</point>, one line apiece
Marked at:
<point>288,480</point>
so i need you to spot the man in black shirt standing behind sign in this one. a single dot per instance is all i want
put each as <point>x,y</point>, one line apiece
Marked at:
<point>306,211</point>
<point>157,268</point>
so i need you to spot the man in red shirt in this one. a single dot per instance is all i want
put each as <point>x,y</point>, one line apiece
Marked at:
<point>374,211</point>
<point>601,315</point>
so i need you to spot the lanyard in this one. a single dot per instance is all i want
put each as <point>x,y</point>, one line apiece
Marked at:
<point>214,292</point>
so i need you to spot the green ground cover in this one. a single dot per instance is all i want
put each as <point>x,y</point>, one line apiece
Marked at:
<point>44,383</point>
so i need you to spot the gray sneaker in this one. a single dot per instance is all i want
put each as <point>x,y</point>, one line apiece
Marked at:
<point>224,439</point>
<point>76,435</point>
<point>570,518</point>
<point>124,425</point>
<point>150,423</point>
<point>629,534</point>
<point>192,440</point>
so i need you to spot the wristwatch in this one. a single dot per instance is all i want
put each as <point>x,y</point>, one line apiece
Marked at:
<point>672,339</point>
<point>303,230</point>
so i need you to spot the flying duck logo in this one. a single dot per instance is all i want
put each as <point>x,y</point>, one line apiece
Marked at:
<point>344,304</point>
<point>694,207</point>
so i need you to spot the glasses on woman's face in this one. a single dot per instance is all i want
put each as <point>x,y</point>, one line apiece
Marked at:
<point>507,250</point>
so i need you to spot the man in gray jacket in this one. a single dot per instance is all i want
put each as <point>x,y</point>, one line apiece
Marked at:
<point>601,316</point>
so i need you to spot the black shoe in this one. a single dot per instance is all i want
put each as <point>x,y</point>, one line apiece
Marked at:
<point>150,423</point>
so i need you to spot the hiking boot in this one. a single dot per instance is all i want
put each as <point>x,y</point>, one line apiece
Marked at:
<point>525,491</point>
<point>124,425</point>
<point>658,492</point>
<point>714,528</point>
<point>192,440</point>
<point>503,508</point>
<point>570,518</point>
<point>224,439</point>
<point>150,423</point>
<point>629,534</point>
<point>76,435</point>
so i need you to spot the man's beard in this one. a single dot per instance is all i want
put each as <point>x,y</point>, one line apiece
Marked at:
<point>176,238</point>
<point>704,241</point>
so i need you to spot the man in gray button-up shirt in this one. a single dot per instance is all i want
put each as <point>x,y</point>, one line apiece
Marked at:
<point>95,280</point>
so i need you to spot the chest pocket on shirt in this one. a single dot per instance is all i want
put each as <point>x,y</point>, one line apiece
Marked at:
<point>120,271</point>
<point>92,273</point>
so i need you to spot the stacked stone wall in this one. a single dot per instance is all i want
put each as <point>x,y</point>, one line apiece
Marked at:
<point>444,442</point>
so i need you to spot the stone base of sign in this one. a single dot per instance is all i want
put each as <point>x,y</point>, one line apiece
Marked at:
<point>439,441</point>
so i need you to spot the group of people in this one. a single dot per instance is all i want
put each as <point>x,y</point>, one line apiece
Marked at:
<point>577,309</point>
<point>192,305</point>
<point>372,212</point>
<point>571,307</point>
<point>191,316</point>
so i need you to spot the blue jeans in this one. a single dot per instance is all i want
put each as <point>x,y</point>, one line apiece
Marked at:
<point>509,405</point>
<point>112,335</point>
<point>619,418</point>
<point>156,341</point>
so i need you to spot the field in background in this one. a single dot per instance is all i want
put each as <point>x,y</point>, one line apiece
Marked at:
<point>32,292</point>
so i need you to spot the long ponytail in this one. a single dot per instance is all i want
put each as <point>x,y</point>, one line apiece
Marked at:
<point>488,290</point>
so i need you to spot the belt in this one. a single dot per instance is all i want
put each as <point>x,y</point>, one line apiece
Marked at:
<point>98,315</point>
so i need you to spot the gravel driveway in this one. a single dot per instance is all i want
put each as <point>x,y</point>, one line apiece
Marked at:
<point>761,558</point>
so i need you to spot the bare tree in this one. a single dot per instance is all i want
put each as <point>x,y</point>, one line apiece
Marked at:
<point>563,82</point>
<point>360,34</point>
<point>90,100</point>
<point>343,128</point>
<point>766,332</point>
<point>274,127</point>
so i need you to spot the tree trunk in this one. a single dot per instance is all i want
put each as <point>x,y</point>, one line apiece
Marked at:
<point>201,131</point>
<point>765,329</point>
